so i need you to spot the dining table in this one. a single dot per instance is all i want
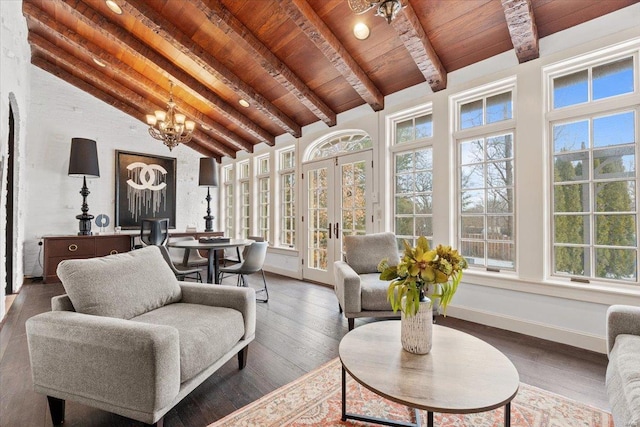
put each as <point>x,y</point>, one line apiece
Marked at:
<point>212,247</point>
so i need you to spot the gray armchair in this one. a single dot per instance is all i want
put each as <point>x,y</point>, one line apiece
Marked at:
<point>623,372</point>
<point>129,338</point>
<point>357,285</point>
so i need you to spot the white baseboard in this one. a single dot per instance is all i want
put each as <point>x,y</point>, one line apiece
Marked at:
<point>535,329</point>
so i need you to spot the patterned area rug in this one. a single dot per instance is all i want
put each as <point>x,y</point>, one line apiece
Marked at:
<point>314,400</point>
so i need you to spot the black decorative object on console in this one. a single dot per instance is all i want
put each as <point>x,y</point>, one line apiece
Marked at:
<point>209,178</point>
<point>83,162</point>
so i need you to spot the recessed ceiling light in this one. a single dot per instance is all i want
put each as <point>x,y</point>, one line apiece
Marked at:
<point>243,103</point>
<point>205,127</point>
<point>361,31</point>
<point>98,62</point>
<point>111,4</point>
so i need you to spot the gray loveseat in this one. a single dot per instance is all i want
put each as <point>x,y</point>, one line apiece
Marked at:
<point>623,371</point>
<point>129,338</point>
<point>357,282</point>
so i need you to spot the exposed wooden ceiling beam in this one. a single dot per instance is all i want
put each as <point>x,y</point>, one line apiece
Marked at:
<point>105,84</point>
<point>415,39</point>
<point>239,33</point>
<point>58,31</point>
<point>148,17</point>
<point>522,28</point>
<point>88,16</point>
<point>317,31</point>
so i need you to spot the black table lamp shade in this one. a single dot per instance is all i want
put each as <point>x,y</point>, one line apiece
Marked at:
<point>208,177</point>
<point>83,162</point>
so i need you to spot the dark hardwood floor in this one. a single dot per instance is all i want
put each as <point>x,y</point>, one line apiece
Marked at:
<point>298,330</point>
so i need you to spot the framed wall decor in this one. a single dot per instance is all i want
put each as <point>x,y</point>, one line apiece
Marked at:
<point>145,188</point>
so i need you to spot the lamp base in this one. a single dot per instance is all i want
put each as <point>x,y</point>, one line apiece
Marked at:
<point>85,224</point>
<point>208,223</point>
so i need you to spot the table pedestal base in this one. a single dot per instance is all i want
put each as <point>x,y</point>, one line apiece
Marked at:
<point>382,421</point>
<point>386,422</point>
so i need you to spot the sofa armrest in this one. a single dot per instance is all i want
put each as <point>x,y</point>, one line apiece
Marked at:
<point>62,303</point>
<point>115,361</point>
<point>621,319</point>
<point>241,299</point>
<point>347,287</point>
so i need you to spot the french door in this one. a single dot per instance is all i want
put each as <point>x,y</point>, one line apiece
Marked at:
<point>337,202</point>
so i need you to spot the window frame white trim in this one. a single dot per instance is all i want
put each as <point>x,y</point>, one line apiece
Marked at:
<point>278,209</point>
<point>258,176</point>
<point>583,111</point>
<point>508,84</point>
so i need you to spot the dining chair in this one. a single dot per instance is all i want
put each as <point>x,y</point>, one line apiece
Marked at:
<point>154,231</point>
<point>252,262</point>
<point>233,255</point>
<point>181,273</point>
<point>177,254</point>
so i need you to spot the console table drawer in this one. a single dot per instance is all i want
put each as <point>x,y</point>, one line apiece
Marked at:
<point>113,245</point>
<point>59,248</point>
<point>70,247</point>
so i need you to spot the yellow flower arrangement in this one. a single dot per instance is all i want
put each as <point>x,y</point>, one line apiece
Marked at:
<point>419,268</point>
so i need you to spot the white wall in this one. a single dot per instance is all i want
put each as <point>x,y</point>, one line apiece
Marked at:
<point>14,89</point>
<point>59,112</point>
<point>527,302</point>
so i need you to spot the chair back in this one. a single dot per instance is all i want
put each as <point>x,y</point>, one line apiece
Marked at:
<point>177,254</point>
<point>255,239</point>
<point>154,231</point>
<point>167,257</point>
<point>364,252</point>
<point>254,258</point>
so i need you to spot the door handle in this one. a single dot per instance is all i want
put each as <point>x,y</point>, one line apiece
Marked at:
<point>329,230</point>
<point>336,229</point>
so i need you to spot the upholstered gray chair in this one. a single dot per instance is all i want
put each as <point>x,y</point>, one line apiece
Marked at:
<point>129,338</point>
<point>357,282</point>
<point>623,375</point>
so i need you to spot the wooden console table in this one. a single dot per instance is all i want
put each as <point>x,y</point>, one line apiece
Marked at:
<point>59,248</point>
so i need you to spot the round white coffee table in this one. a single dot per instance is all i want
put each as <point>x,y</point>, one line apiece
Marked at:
<point>462,374</point>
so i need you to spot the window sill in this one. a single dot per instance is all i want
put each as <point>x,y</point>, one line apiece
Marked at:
<point>593,292</point>
<point>282,250</point>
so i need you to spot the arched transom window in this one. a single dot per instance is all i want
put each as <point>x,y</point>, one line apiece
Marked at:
<point>340,143</point>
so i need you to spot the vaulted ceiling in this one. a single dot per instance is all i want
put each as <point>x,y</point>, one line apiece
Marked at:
<point>295,62</point>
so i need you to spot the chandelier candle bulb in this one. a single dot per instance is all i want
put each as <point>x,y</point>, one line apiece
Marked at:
<point>180,118</point>
<point>160,115</point>
<point>151,120</point>
<point>190,125</point>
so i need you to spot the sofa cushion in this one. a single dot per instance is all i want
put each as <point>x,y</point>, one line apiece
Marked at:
<point>373,293</point>
<point>205,333</point>
<point>364,253</point>
<point>623,380</point>
<point>123,285</point>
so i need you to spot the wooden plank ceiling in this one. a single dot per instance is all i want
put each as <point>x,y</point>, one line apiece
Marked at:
<point>296,62</point>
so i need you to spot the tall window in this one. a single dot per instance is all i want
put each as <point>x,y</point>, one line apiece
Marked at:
<point>245,207</point>
<point>227,174</point>
<point>413,195</point>
<point>264,196</point>
<point>413,175</point>
<point>593,141</point>
<point>485,145</point>
<point>286,175</point>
